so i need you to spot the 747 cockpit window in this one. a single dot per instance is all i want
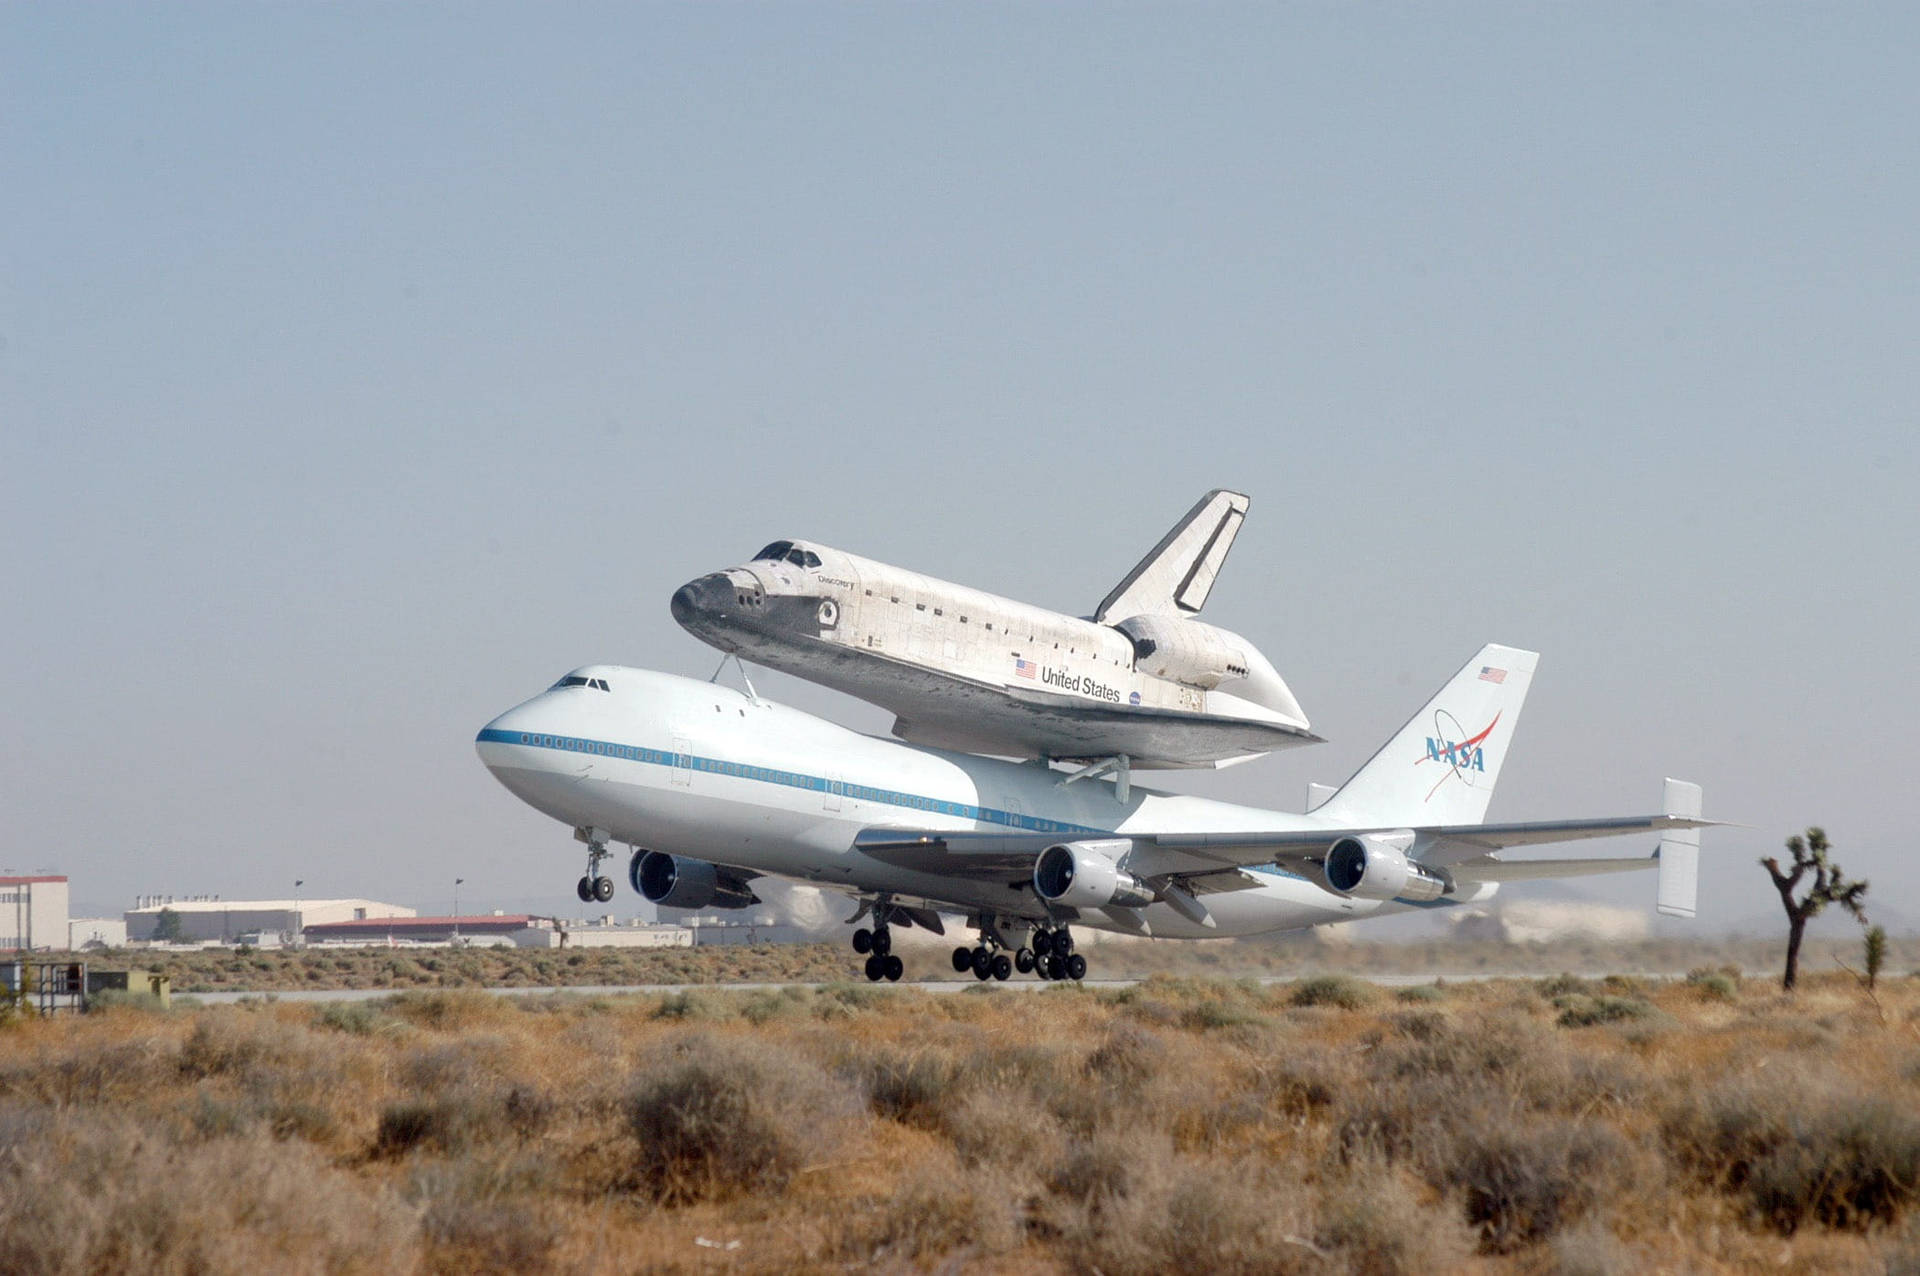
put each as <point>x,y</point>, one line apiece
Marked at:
<point>575,680</point>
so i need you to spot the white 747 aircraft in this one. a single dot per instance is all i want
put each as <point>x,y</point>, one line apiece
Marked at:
<point>713,787</point>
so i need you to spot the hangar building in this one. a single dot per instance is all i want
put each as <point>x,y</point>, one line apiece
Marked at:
<point>226,920</point>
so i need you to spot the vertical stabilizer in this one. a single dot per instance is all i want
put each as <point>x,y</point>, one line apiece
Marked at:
<point>1440,768</point>
<point>1178,575</point>
<point>1680,853</point>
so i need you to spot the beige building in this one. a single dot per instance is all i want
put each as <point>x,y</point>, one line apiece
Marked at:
<point>211,919</point>
<point>33,913</point>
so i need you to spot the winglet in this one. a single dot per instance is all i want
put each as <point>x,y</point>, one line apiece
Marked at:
<point>1179,573</point>
<point>1680,853</point>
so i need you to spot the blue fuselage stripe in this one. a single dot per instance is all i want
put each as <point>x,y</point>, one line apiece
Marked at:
<point>783,779</point>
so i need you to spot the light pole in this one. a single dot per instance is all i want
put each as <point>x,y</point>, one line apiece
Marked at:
<point>456,908</point>
<point>299,927</point>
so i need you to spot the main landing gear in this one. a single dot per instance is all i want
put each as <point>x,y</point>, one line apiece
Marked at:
<point>594,887</point>
<point>1051,957</point>
<point>877,944</point>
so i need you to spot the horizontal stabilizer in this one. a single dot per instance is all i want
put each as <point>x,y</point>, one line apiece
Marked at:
<point>1680,853</point>
<point>1179,574</point>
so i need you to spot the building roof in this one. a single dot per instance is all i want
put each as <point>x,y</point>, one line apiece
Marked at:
<point>381,925</point>
<point>27,881</point>
<point>263,905</point>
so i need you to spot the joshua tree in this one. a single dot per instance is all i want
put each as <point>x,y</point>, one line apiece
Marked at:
<point>1876,954</point>
<point>1829,887</point>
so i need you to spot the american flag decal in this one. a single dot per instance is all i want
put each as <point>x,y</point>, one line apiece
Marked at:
<point>1025,668</point>
<point>1489,674</point>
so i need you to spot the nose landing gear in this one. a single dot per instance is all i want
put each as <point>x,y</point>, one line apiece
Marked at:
<point>594,887</point>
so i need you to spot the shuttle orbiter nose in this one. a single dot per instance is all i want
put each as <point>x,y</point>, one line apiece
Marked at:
<point>709,595</point>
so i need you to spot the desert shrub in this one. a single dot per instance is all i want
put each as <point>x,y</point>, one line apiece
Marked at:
<point>1128,1056</point>
<point>1563,985</point>
<point>1420,1025</point>
<point>1342,991</point>
<point>1520,1183</point>
<point>1420,993</point>
<point>689,1004</point>
<point>102,1195</point>
<point>87,1073</point>
<point>713,1117</point>
<point>355,1018</point>
<point>1106,1165</point>
<point>938,1210</point>
<point>1303,1081</point>
<point>1589,1249</point>
<point>229,1043</point>
<point>123,1000</point>
<point>1796,1152</point>
<point>1722,984</point>
<point>1579,1011</point>
<point>444,1010</point>
<point>912,1086</point>
<point>1373,1219</point>
<point>1190,1217</point>
<point>999,1126</point>
<point>443,1123</point>
<point>480,1216</point>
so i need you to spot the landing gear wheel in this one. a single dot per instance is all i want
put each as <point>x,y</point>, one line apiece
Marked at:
<point>1023,961</point>
<point>1040,967</point>
<point>876,967</point>
<point>894,969</point>
<point>1076,966</point>
<point>585,890</point>
<point>1056,966</point>
<point>963,959</point>
<point>882,940</point>
<point>1002,966</point>
<point>1042,942</point>
<point>603,889</point>
<point>863,940</point>
<point>1062,941</point>
<point>982,963</point>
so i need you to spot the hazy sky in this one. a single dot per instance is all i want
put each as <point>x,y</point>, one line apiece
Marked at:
<point>363,368</point>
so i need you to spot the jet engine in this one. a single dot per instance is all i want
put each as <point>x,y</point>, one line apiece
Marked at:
<point>1088,875</point>
<point>1375,866</point>
<point>673,881</point>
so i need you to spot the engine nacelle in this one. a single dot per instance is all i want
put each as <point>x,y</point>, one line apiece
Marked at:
<point>1375,866</point>
<point>1088,875</point>
<point>673,881</point>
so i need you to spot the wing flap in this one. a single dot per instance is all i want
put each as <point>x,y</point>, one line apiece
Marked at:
<point>1489,869</point>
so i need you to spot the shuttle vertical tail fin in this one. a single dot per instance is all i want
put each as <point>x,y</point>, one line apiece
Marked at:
<point>1179,573</point>
<point>1440,768</point>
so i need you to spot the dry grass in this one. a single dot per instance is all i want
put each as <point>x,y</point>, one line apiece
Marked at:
<point>1716,964</point>
<point>1184,1124</point>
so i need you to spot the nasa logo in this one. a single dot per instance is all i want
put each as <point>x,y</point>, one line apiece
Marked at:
<point>1462,757</point>
<point>1133,698</point>
<point>1459,755</point>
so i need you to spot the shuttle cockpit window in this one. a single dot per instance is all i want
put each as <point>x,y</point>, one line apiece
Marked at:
<point>803,558</point>
<point>774,552</point>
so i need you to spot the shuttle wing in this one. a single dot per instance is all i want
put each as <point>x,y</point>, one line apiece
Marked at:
<point>1178,575</point>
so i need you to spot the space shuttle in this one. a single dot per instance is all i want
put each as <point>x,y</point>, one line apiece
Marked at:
<point>1139,683</point>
